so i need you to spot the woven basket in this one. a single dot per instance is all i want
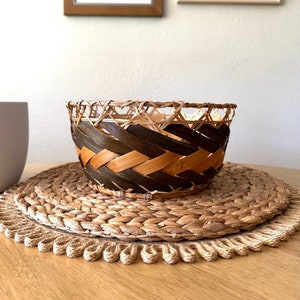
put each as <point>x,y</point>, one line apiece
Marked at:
<point>146,149</point>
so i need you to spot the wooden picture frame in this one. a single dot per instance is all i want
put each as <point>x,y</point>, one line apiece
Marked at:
<point>232,1</point>
<point>150,8</point>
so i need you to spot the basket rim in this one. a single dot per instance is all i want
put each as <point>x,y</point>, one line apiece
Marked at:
<point>150,111</point>
<point>158,104</point>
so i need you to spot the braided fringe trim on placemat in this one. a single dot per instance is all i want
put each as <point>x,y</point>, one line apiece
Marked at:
<point>15,225</point>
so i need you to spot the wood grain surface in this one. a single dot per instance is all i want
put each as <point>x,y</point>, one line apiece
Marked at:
<point>272,274</point>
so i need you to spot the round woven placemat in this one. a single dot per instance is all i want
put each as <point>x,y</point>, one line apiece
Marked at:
<point>67,215</point>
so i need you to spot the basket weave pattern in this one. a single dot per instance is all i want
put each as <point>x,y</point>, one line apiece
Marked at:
<point>150,149</point>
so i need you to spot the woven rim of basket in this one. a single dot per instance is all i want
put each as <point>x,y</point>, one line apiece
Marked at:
<point>153,114</point>
<point>16,225</point>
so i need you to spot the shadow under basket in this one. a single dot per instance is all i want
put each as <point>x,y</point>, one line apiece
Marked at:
<point>147,149</point>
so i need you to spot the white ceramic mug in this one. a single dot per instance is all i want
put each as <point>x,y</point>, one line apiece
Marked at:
<point>14,132</point>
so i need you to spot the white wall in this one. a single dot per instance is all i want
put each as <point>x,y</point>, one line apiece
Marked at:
<point>247,54</point>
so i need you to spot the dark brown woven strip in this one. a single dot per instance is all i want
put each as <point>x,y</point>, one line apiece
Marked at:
<point>225,131</point>
<point>218,135</point>
<point>91,178</point>
<point>174,181</point>
<point>211,172</point>
<point>146,181</point>
<point>137,144</point>
<point>192,137</point>
<point>107,177</point>
<point>103,141</point>
<point>80,139</point>
<point>90,175</point>
<point>164,142</point>
<point>194,177</point>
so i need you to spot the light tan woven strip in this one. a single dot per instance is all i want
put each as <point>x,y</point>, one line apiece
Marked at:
<point>126,161</point>
<point>102,157</point>
<point>86,154</point>
<point>209,161</point>
<point>157,163</point>
<point>219,163</point>
<point>187,162</point>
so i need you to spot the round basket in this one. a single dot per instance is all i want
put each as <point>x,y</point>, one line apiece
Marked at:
<point>147,149</point>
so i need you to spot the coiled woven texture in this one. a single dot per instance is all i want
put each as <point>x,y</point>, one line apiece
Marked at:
<point>150,149</point>
<point>238,199</point>
<point>14,224</point>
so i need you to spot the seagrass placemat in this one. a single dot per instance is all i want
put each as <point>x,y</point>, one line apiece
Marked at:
<point>60,210</point>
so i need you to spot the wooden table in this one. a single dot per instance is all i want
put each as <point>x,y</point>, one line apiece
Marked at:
<point>272,274</point>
